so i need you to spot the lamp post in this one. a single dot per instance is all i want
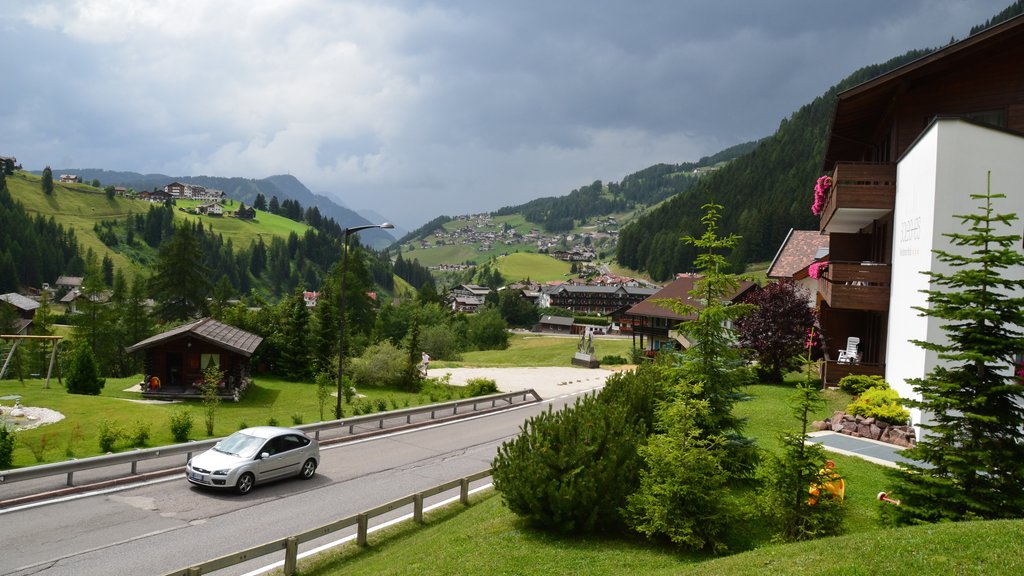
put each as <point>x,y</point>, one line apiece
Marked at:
<point>341,303</point>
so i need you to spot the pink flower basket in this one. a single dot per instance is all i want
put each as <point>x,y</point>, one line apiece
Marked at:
<point>821,188</point>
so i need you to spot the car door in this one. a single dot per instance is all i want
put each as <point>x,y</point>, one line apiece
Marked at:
<point>282,457</point>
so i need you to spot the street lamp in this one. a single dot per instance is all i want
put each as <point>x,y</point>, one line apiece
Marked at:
<point>341,303</point>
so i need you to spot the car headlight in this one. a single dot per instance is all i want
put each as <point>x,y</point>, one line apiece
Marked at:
<point>221,472</point>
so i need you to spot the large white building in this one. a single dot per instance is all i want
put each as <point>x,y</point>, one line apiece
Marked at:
<point>905,152</point>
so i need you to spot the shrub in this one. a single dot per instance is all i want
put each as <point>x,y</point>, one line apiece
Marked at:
<point>272,421</point>
<point>481,386</point>
<point>382,364</point>
<point>109,434</point>
<point>7,438</point>
<point>573,469</point>
<point>613,359</point>
<point>83,374</point>
<point>140,433</point>
<point>382,405</point>
<point>243,425</point>
<point>181,425</point>
<point>856,384</point>
<point>881,403</point>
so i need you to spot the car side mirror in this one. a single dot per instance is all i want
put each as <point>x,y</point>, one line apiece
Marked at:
<point>264,455</point>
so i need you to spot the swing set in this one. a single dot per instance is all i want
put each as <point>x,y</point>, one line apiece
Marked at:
<point>54,345</point>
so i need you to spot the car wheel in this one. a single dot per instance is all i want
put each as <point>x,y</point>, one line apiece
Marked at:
<point>308,469</point>
<point>245,483</point>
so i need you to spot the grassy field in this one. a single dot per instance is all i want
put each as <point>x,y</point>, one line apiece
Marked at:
<point>488,539</point>
<point>527,350</point>
<point>81,207</point>
<point>536,267</point>
<point>267,400</point>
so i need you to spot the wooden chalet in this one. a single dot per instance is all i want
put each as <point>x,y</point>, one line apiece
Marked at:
<point>176,359</point>
<point>656,325</point>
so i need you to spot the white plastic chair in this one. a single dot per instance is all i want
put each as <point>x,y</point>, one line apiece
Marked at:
<point>850,355</point>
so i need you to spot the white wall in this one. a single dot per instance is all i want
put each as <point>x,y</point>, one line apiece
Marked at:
<point>934,182</point>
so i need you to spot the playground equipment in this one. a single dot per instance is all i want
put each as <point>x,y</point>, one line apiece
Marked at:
<point>828,482</point>
<point>882,496</point>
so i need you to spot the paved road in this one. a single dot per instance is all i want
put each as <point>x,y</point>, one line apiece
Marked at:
<point>154,528</point>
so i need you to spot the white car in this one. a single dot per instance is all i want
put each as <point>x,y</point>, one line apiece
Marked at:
<point>253,456</point>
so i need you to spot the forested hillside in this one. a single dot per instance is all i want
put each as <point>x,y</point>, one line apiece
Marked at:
<point>764,193</point>
<point>283,187</point>
<point>640,189</point>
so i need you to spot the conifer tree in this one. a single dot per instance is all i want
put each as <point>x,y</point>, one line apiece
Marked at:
<point>181,282</point>
<point>969,463</point>
<point>47,181</point>
<point>699,458</point>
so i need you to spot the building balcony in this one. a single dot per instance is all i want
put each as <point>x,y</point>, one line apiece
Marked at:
<point>832,371</point>
<point>861,193</point>
<point>856,285</point>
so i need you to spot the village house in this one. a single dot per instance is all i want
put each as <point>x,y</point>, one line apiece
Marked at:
<point>800,250</point>
<point>904,152</point>
<point>657,327</point>
<point>596,300</point>
<point>467,297</point>
<point>174,360</point>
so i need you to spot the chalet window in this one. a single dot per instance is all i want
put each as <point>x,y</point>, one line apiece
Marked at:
<point>992,117</point>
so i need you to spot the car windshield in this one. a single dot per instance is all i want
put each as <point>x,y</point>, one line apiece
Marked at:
<point>239,444</point>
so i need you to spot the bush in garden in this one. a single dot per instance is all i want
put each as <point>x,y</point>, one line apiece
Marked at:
<point>181,425</point>
<point>382,364</point>
<point>109,434</point>
<point>613,359</point>
<point>481,386</point>
<point>140,433</point>
<point>572,470</point>
<point>7,438</point>
<point>881,403</point>
<point>856,384</point>
<point>83,374</point>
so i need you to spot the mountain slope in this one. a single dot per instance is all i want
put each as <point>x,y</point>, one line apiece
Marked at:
<point>245,190</point>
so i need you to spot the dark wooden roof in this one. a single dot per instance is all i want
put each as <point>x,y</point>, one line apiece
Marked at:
<point>799,250</point>
<point>679,290</point>
<point>557,320</point>
<point>858,109</point>
<point>208,330</point>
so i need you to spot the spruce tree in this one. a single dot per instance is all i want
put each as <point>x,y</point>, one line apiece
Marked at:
<point>181,282</point>
<point>696,465</point>
<point>969,463</point>
<point>47,181</point>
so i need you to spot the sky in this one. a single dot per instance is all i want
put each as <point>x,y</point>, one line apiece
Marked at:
<point>419,109</point>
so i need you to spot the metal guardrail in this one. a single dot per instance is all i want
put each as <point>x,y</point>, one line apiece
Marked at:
<point>133,457</point>
<point>290,545</point>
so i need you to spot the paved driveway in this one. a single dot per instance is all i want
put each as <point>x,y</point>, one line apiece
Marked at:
<point>549,382</point>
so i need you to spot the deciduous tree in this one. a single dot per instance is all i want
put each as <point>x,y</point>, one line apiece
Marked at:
<point>775,331</point>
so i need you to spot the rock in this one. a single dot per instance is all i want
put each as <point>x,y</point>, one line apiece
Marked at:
<point>819,425</point>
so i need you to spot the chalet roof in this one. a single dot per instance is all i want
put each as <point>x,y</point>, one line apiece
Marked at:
<point>798,250</point>
<point>600,289</point>
<point>73,281</point>
<point>18,301</point>
<point>856,109</point>
<point>679,290</point>
<point>557,320</point>
<point>208,330</point>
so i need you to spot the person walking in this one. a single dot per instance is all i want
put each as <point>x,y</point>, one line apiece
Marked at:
<point>426,363</point>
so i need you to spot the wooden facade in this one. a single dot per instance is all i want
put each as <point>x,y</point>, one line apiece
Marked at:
<point>980,79</point>
<point>177,358</point>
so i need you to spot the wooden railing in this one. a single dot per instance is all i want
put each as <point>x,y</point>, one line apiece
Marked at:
<point>856,285</point>
<point>361,521</point>
<point>870,188</point>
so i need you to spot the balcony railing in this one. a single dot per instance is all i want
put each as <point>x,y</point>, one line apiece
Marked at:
<point>860,194</point>
<point>833,371</point>
<point>856,285</point>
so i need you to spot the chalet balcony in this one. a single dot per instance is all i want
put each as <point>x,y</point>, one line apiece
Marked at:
<point>856,285</point>
<point>833,371</point>
<point>861,193</point>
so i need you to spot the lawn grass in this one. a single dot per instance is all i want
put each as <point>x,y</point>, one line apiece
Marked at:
<point>536,267</point>
<point>268,400</point>
<point>527,350</point>
<point>488,539</point>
